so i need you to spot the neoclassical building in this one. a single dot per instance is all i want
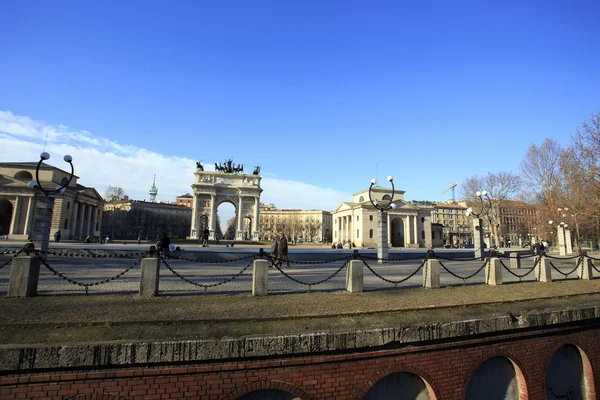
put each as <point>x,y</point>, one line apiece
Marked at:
<point>408,225</point>
<point>303,225</point>
<point>77,212</point>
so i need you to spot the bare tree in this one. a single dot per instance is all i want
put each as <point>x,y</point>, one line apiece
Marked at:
<point>114,193</point>
<point>499,187</point>
<point>541,167</point>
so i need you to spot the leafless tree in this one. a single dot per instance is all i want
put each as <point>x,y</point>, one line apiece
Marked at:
<point>114,193</point>
<point>541,167</point>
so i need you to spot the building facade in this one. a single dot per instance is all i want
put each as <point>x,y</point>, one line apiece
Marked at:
<point>77,212</point>
<point>132,219</point>
<point>298,225</point>
<point>408,225</point>
<point>185,200</point>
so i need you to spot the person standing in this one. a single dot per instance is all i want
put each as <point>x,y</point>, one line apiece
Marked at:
<point>57,236</point>
<point>165,244</point>
<point>282,250</point>
<point>205,234</point>
<point>274,251</point>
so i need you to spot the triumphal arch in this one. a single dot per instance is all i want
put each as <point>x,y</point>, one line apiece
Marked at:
<point>227,184</point>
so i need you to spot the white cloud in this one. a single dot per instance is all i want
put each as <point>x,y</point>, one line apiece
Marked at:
<point>100,162</point>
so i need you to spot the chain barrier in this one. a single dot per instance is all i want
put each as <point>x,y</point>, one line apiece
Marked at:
<point>417,257</point>
<point>16,253</point>
<point>89,254</point>
<point>275,264</point>
<point>562,258</point>
<point>520,276</point>
<point>392,281</point>
<point>195,260</point>
<point>592,258</point>
<point>205,286</point>
<point>568,273</point>
<point>593,266</point>
<point>86,286</point>
<point>465,277</point>
<point>10,252</point>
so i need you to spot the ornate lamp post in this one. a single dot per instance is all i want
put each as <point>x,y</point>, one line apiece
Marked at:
<point>486,207</point>
<point>382,231</point>
<point>43,205</point>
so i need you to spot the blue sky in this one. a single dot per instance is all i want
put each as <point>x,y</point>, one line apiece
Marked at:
<point>321,94</point>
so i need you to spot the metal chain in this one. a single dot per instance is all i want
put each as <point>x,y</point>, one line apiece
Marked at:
<point>562,273</point>
<point>466,277</point>
<point>207,285</point>
<point>10,259</point>
<point>517,275</point>
<point>10,252</point>
<point>195,260</point>
<point>417,257</point>
<point>92,255</point>
<point>392,281</point>
<point>562,258</point>
<point>271,259</point>
<point>593,266</point>
<point>85,285</point>
<point>461,259</point>
<point>593,258</point>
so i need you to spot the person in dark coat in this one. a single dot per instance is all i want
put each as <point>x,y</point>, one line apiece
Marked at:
<point>57,236</point>
<point>274,250</point>
<point>165,245</point>
<point>282,250</point>
<point>205,234</point>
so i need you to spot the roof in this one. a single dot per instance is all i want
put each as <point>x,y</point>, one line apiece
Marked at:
<point>378,188</point>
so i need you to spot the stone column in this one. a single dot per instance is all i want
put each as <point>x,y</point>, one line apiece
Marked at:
<point>15,217</point>
<point>568,242</point>
<point>560,231</point>
<point>478,243</point>
<point>74,220</point>
<point>256,216</point>
<point>240,226</point>
<point>213,216</point>
<point>427,229</point>
<point>431,274</point>
<point>260,278</point>
<point>82,211</point>
<point>24,276</point>
<point>42,221</point>
<point>354,276</point>
<point>194,228</point>
<point>406,231</point>
<point>29,218</point>
<point>543,271</point>
<point>85,222</point>
<point>149,276</point>
<point>493,272</point>
<point>415,231</point>
<point>94,221</point>
<point>100,216</point>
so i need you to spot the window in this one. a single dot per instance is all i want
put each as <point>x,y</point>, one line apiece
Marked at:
<point>357,233</point>
<point>370,233</point>
<point>370,218</point>
<point>357,218</point>
<point>361,199</point>
<point>66,225</point>
<point>422,220</point>
<point>68,206</point>
<point>423,235</point>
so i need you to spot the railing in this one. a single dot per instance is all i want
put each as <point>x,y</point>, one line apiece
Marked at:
<point>33,270</point>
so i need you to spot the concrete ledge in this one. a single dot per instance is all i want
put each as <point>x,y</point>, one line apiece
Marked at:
<point>29,358</point>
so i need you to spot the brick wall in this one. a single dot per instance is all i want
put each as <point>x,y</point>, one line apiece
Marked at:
<point>446,368</point>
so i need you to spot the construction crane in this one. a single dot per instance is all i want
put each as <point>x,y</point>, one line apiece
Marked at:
<point>451,187</point>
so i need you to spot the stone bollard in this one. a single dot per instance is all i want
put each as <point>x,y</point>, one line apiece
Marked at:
<point>542,271</point>
<point>354,276</point>
<point>260,278</point>
<point>24,276</point>
<point>515,261</point>
<point>431,274</point>
<point>585,272</point>
<point>493,272</point>
<point>149,274</point>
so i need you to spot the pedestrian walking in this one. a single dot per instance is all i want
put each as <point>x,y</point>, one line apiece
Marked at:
<point>282,250</point>
<point>165,244</point>
<point>274,251</point>
<point>57,236</point>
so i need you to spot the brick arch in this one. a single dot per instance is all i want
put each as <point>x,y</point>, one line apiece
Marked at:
<point>278,385</point>
<point>520,372</point>
<point>588,369</point>
<point>434,392</point>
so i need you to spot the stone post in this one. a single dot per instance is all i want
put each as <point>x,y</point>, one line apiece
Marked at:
<point>260,278</point>
<point>478,243</point>
<point>543,271</point>
<point>568,242</point>
<point>24,276</point>
<point>382,236</point>
<point>585,272</point>
<point>149,275</point>
<point>493,272</point>
<point>431,274</point>
<point>515,261</point>
<point>354,276</point>
<point>42,221</point>
<point>562,249</point>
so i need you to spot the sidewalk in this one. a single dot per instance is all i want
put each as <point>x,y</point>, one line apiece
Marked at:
<point>95,318</point>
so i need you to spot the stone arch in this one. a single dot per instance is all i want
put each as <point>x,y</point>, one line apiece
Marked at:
<point>6,212</point>
<point>285,390</point>
<point>566,378</point>
<point>395,373</point>
<point>24,176</point>
<point>211,189</point>
<point>397,231</point>
<point>502,359</point>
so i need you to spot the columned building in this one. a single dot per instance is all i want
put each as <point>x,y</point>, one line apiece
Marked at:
<point>77,213</point>
<point>356,221</point>
<point>298,225</point>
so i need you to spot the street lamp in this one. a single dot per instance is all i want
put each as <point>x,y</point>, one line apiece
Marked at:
<point>44,205</point>
<point>382,245</point>
<point>485,209</point>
